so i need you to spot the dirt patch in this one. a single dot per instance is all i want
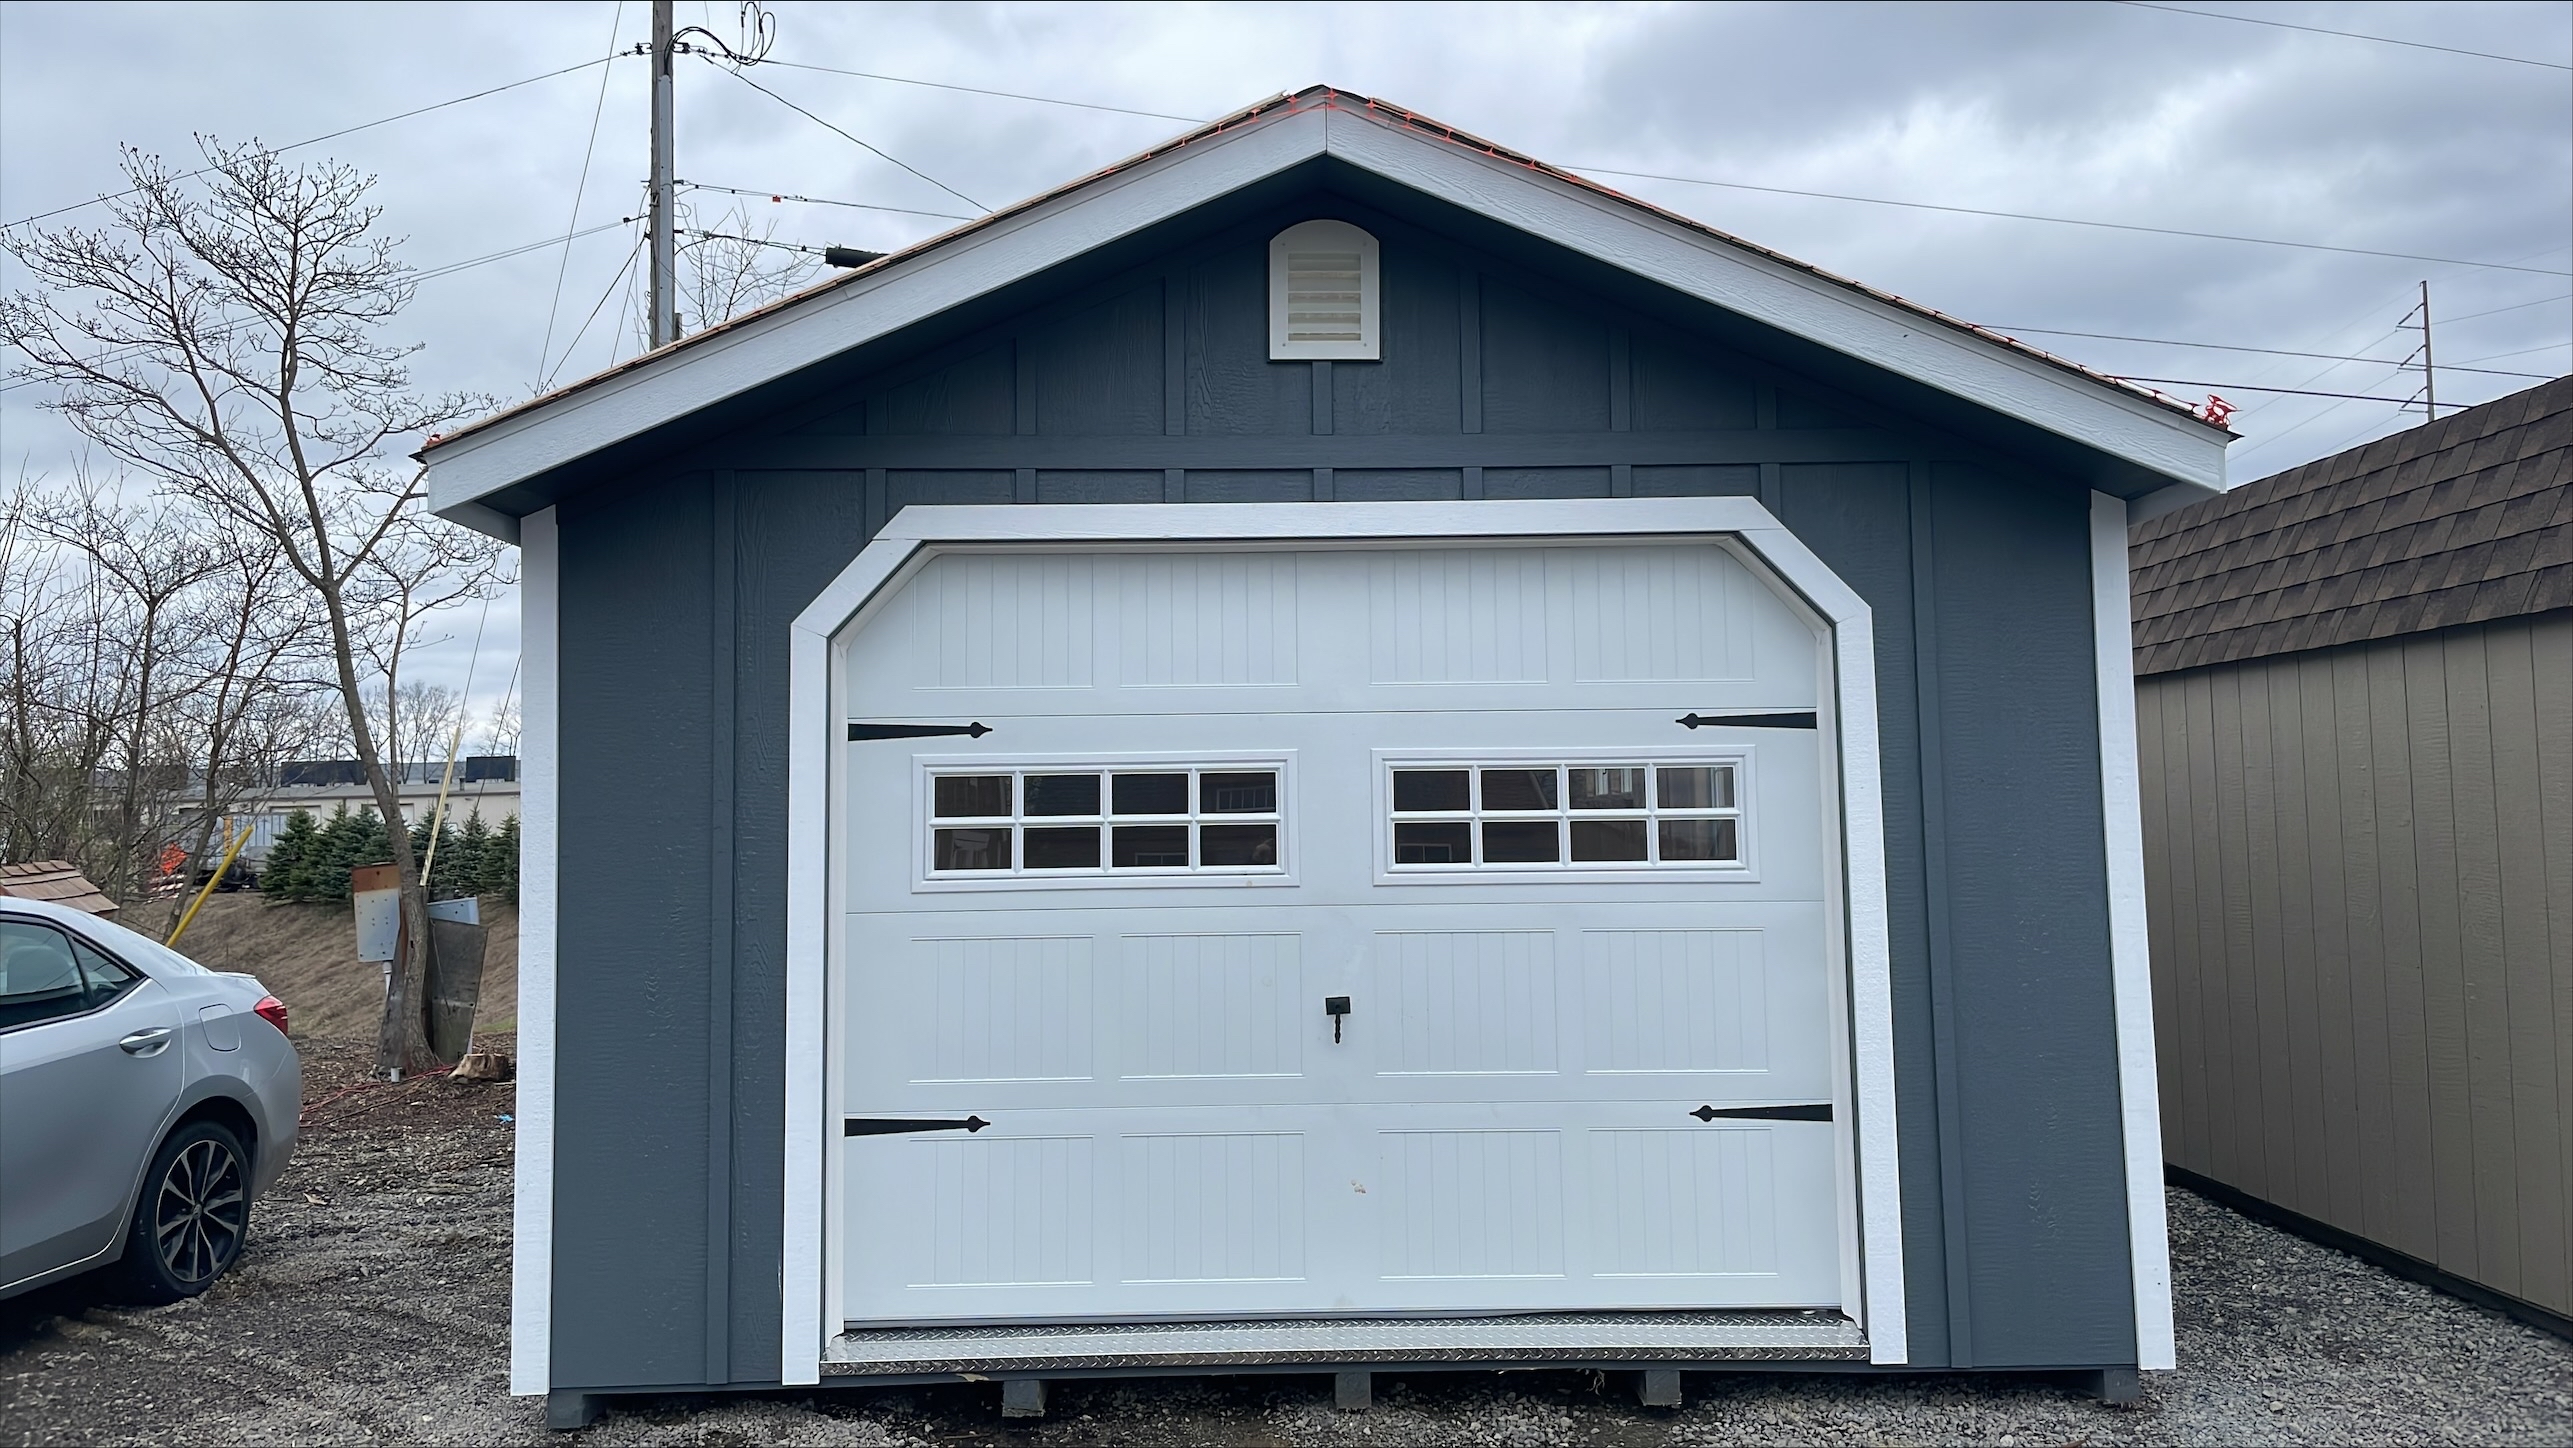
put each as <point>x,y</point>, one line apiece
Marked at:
<point>373,1306</point>
<point>307,957</point>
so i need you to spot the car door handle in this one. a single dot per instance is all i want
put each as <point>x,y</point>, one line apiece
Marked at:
<point>145,1042</point>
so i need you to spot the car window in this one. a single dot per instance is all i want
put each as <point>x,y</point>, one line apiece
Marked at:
<point>102,979</point>
<point>133,946</point>
<point>39,978</point>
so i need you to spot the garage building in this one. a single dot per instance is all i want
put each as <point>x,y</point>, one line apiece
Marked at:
<point>1331,749</point>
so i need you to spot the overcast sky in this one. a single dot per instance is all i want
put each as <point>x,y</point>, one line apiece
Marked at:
<point>2082,109</point>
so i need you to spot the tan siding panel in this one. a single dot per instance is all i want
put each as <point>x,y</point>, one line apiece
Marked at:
<point>2536,1165</point>
<point>2225,1100</point>
<point>2239,1131</point>
<point>2362,916</point>
<point>2326,839</point>
<point>2360,875</point>
<point>2443,972</point>
<point>2480,952</point>
<point>2551,672</point>
<point>2407,1011</point>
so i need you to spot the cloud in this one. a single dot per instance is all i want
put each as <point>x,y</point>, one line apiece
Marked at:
<point>2091,110</point>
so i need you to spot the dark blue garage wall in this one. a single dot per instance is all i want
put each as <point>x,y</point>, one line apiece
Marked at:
<point>1154,385</point>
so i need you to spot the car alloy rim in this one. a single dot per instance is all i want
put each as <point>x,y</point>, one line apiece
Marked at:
<point>198,1220</point>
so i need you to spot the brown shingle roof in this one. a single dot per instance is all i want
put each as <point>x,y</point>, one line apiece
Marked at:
<point>2457,521</point>
<point>59,881</point>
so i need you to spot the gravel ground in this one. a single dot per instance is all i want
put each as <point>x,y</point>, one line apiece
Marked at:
<point>374,1307</point>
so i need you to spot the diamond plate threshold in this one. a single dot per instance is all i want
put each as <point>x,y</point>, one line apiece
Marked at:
<point>1589,1337</point>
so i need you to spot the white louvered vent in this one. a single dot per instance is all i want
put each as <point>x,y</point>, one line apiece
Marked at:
<point>1324,294</point>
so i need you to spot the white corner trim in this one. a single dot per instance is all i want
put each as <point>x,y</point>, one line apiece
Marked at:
<point>531,1253</point>
<point>813,733</point>
<point>2130,946</point>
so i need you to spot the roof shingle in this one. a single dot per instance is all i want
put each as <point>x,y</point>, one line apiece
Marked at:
<point>2457,521</point>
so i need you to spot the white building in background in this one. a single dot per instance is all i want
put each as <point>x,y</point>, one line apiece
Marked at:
<point>482,783</point>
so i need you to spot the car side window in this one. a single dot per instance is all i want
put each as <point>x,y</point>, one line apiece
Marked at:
<point>40,980</point>
<point>102,979</point>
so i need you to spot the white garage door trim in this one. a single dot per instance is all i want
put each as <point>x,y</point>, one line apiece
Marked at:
<point>810,1309</point>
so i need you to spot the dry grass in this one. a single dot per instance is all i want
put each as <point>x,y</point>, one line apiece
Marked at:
<point>306,956</point>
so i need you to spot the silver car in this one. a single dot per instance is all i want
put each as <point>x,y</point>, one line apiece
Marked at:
<point>145,1103</point>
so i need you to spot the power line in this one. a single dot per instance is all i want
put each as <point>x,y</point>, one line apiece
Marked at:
<point>2497,356</point>
<point>754,240</point>
<point>824,201</point>
<point>843,135</point>
<point>2264,351</point>
<point>2247,387</point>
<point>2073,221</point>
<point>2513,307</point>
<point>546,383</point>
<point>2344,34</point>
<point>1700,181</point>
<point>579,190</point>
<point>979,91</point>
<point>334,135</point>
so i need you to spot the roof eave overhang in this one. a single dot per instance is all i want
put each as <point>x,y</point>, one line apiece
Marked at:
<point>2137,446</point>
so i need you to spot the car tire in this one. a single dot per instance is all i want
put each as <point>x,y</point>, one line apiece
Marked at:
<point>192,1216</point>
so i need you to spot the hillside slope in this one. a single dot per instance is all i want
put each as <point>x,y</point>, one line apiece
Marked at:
<point>306,956</point>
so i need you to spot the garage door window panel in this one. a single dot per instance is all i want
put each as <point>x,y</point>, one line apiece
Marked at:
<point>1455,818</point>
<point>1048,824</point>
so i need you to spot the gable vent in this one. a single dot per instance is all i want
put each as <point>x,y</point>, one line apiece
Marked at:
<point>1324,293</point>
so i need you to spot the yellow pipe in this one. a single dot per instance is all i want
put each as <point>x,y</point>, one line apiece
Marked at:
<point>210,882</point>
<point>438,816</point>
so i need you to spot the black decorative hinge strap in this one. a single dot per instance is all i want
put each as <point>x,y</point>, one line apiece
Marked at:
<point>1818,1112</point>
<point>1801,719</point>
<point>859,731</point>
<point>900,1125</point>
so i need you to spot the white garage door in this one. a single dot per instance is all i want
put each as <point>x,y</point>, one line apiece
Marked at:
<point>1337,932</point>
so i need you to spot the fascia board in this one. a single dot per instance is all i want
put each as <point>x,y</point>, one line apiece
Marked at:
<point>1795,302</point>
<point>471,468</point>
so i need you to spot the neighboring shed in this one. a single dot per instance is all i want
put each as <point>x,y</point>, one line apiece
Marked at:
<point>2355,697</point>
<point>59,881</point>
<point>1330,749</point>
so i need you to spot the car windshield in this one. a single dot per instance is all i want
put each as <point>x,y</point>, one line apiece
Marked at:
<point>140,949</point>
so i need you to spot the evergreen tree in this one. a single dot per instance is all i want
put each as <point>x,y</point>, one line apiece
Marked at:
<point>470,845</point>
<point>500,861</point>
<point>287,874</point>
<point>350,839</point>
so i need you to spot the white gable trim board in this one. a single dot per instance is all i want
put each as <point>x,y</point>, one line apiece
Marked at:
<point>816,1256</point>
<point>696,375</point>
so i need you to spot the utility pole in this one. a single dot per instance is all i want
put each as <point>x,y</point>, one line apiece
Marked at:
<point>665,218</point>
<point>2429,374</point>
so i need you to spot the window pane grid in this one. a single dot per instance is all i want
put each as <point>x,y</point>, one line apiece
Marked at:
<point>1059,821</point>
<point>1566,816</point>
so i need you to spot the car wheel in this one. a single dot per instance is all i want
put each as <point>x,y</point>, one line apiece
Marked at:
<point>192,1216</point>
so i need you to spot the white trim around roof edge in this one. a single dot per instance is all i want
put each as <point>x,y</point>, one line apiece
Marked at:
<point>1790,299</point>
<point>864,308</point>
<point>2130,946</point>
<point>531,1251</point>
<point>1779,295</point>
<point>812,738</point>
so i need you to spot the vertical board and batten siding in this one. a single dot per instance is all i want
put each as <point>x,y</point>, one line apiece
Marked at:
<point>2360,863</point>
<point>1156,386</point>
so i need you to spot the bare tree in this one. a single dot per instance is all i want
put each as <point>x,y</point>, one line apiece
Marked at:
<point>735,266</point>
<point>228,347</point>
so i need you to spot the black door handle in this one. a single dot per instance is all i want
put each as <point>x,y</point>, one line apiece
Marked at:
<point>1335,1007</point>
